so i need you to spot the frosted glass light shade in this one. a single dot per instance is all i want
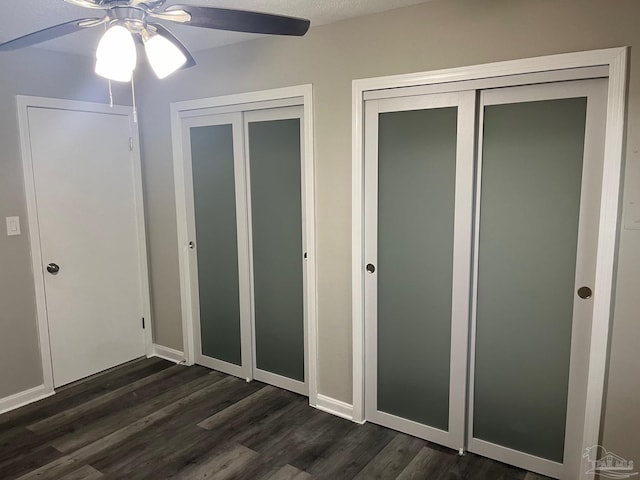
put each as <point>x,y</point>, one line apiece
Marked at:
<point>164,57</point>
<point>116,54</point>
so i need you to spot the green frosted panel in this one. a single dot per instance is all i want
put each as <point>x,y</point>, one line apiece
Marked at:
<point>416,190</point>
<point>531,177</point>
<point>276,215</point>
<point>216,241</point>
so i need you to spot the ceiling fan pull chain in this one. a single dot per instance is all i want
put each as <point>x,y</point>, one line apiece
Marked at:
<point>133,100</point>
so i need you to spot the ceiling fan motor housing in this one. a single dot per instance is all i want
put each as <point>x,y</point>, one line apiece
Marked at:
<point>134,19</point>
<point>124,3</point>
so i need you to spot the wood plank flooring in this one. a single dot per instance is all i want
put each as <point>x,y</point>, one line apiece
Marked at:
<point>151,419</point>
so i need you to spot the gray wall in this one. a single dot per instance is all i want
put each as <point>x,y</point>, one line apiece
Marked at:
<point>39,73</point>
<point>438,34</point>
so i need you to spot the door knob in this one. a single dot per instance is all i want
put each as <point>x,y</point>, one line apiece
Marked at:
<point>585,292</point>
<point>53,268</point>
<point>371,267</point>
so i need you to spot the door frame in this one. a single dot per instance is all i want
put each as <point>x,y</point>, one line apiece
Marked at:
<point>301,95</point>
<point>611,63</point>
<point>23,104</point>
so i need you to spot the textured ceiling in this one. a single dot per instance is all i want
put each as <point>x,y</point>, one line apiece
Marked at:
<point>20,17</point>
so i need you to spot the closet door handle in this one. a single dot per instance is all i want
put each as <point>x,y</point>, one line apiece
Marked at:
<point>585,292</point>
<point>53,268</point>
<point>370,267</point>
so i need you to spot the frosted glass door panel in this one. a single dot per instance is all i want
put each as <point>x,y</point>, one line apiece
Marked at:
<point>416,190</point>
<point>532,159</point>
<point>276,222</point>
<point>214,196</point>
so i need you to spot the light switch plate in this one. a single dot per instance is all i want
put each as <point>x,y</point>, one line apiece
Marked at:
<point>13,226</point>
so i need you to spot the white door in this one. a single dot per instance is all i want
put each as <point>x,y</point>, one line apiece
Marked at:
<point>538,196</point>
<point>83,173</point>
<point>246,213</point>
<point>275,174</point>
<point>219,253</point>
<point>419,156</point>
<point>537,192</point>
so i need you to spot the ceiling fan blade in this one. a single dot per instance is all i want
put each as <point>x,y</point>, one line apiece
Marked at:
<point>238,20</point>
<point>167,34</point>
<point>178,16</point>
<point>86,4</point>
<point>46,34</point>
<point>94,22</point>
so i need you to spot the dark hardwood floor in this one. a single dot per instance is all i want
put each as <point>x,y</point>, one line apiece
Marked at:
<point>151,419</point>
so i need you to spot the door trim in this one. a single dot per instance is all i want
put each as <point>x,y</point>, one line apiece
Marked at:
<point>616,62</point>
<point>301,95</point>
<point>23,104</point>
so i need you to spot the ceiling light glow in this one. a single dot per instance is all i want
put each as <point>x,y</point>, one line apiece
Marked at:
<point>116,54</point>
<point>164,56</point>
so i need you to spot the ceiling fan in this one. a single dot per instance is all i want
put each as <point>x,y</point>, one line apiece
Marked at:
<point>128,21</point>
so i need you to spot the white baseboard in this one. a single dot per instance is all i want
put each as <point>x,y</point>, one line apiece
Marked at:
<point>334,407</point>
<point>168,353</point>
<point>21,399</point>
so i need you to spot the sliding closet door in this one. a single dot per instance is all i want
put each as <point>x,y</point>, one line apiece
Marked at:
<point>539,195</point>
<point>217,221</point>
<point>277,225</point>
<point>418,192</point>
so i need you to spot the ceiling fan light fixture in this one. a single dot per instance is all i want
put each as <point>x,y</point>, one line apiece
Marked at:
<point>164,56</point>
<point>116,54</point>
<point>128,19</point>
